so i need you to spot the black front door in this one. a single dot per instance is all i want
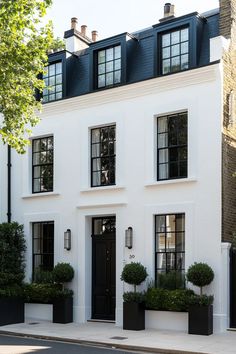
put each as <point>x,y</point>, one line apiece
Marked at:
<point>103,268</point>
<point>233,288</point>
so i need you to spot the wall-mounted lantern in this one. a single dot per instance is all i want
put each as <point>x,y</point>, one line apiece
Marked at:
<point>67,239</point>
<point>129,237</point>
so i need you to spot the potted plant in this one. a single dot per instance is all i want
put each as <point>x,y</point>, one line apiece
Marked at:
<point>63,303</point>
<point>200,320</point>
<point>133,306</point>
<point>12,266</point>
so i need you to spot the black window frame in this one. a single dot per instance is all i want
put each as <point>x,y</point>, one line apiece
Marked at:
<point>44,240</point>
<point>47,87</point>
<point>172,149</point>
<point>113,61</point>
<point>165,252</point>
<point>40,165</point>
<point>170,46</point>
<point>108,156</point>
<point>195,24</point>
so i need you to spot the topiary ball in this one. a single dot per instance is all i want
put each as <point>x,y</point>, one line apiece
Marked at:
<point>200,274</point>
<point>134,273</point>
<point>63,272</point>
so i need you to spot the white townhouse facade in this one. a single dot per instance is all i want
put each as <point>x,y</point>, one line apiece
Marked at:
<point>130,151</point>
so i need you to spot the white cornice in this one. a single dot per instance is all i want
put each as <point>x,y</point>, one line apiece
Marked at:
<point>143,88</point>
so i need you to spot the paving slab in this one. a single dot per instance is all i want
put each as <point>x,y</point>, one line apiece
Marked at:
<point>108,334</point>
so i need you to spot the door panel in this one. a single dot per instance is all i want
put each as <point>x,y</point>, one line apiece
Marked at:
<point>103,272</point>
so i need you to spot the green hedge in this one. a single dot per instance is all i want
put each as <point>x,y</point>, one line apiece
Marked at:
<point>168,300</point>
<point>44,293</point>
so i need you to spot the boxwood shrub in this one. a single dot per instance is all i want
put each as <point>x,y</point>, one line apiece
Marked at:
<point>168,300</point>
<point>44,293</point>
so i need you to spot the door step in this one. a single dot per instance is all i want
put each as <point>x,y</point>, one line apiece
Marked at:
<point>101,321</point>
<point>231,329</point>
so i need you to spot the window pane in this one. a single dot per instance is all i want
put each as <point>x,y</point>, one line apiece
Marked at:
<point>97,164</point>
<point>109,79</point>
<point>96,179</point>
<point>58,95</point>
<point>109,54</point>
<point>184,62</point>
<point>175,50</point>
<point>52,81</point>
<point>180,242</point>
<point>161,261</point>
<point>101,69</point>
<point>170,223</point>
<point>184,47</point>
<point>170,261</point>
<point>166,40</point>
<point>175,64</point>
<point>36,185</point>
<point>95,135</point>
<point>58,68</point>
<point>101,56</point>
<point>166,66</point>
<point>184,35</point>
<point>166,52</point>
<point>170,242</point>
<point>163,156</point>
<point>117,52</point>
<point>58,79</point>
<point>36,172</point>
<point>180,261</point>
<point>101,80</point>
<point>160,223</point>
<point>117,64</point>
<point>160,242</point>
<point>117,78</point>
<point>162,140</point>
<point>109,66</point>
<point>51,69</point>
<point>175,37</point>
<point>163,171</point>
<point>162,125</point>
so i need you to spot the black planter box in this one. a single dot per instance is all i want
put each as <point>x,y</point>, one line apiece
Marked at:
<point>133,316</point>
<point>12,310</point>
<point>200,320</point>
<point>63,310</point>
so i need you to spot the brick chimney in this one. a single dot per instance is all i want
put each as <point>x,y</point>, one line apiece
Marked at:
<point>76,40</point>
<point>83,30</point>
<point>169,12</point>
<point>94,36</point>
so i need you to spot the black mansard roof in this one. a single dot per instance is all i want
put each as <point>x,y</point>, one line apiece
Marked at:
<point>140,52</point>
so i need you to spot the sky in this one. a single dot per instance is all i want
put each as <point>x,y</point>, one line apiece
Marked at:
<point>111,17</point>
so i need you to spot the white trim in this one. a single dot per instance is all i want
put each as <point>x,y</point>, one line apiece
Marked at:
<point>140,89</point>
<point>108,205</point>
<point>42,194</point>
<point>170,181</point>
<point>103,188</point>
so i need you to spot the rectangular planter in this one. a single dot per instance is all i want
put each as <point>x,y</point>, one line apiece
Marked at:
<point>11,311</point>
<point>200,320</point>
<point>166,320</point>
<point>63,310</point>
<point>40,312</point>
<point>133,316</point>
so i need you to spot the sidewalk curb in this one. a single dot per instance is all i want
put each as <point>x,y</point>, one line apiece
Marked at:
<point>129,347</point>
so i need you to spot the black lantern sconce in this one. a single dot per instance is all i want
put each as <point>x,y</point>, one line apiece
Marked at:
<point>67,239</point>
<point>129,237</point>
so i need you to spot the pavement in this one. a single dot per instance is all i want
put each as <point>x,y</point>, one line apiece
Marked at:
<point>109,335</point>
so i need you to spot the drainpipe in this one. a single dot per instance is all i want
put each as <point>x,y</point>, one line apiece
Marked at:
<point>8,184</point>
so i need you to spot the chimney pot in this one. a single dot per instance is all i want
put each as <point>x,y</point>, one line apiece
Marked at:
<point>83,30</point>
<point>169,10</point>
<point>74,22</point>
<point>94,36</point>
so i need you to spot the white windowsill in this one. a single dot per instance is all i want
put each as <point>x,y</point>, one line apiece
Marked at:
<point>38,195</point>
<point>104,188</point>
<point>171,181</point>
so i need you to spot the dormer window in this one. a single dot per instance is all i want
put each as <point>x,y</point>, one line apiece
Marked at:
<point>109,66</point>
<point>175,51</point>
<point>53,82</point>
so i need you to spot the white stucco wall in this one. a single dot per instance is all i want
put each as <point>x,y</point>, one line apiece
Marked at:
<point>137,197</point>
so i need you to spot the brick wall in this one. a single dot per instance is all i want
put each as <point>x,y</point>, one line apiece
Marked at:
<point>228,30</point>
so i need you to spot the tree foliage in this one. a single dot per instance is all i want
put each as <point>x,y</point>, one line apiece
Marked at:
<point>23,55</point>
<point>200,274</point>
<point>134,273</point>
